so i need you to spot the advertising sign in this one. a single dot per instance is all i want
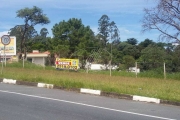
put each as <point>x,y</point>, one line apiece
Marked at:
<point>71,64</point>
<point>10,48</point>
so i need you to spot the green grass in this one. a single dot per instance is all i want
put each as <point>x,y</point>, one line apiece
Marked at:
<point>119,82</point>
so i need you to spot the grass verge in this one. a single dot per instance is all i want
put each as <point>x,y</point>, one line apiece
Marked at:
<point>151,87</point>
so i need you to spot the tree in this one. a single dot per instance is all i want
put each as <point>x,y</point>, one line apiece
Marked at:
<point>161,44</point>
<point>165,17</point>
<point>145,43</point>
<point>32,17</point>
<point>128,49</point>
<point>123,45</point>
<point>175,60</point>
<point>129,61</point>
<point>39,42</point>
<point>61,50</point>
<point>114,33</point>
<point>41,37</point>
<point>75,36</point>
<point>18,32</point>
<point>103,28</point>
<point>109,37</point>
<point>108,31</point>
<point>44,32</point>
<point>152,57</point>
<point>132,41</point>
<point>132,51</point>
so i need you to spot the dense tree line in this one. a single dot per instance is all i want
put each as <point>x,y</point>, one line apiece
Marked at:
<point>72,39</point>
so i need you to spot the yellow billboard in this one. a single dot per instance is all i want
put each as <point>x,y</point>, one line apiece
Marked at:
<point>70,64</point>
<point>10,49</point>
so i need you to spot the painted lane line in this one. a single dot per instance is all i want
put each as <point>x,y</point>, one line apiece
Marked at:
<point>93,106</point>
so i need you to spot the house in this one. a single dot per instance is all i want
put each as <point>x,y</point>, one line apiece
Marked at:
<point>134,69</point>
<point>175,43</point>
<point>38,58</point>
<point>97,67</point>
<point>92,66</point>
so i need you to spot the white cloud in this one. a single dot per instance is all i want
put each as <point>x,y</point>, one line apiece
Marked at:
<point>104,5</point>
<point>127,31</point>
<point>134,6</point>
<point>3,33</point>
<point>94,29</point>
<point>88,10</point>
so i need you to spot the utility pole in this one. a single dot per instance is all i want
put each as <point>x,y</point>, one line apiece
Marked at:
<point>111,61</point>
<point>111,56</point>
<point>164,70</point>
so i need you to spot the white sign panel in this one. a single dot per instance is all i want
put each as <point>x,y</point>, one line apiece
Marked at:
<point>10,49</point>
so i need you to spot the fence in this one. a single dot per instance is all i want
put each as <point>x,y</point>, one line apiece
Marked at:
<point>150,70</point>
<point>161,66</point>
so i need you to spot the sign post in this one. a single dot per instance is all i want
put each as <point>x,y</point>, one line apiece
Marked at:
<point>5,40</point>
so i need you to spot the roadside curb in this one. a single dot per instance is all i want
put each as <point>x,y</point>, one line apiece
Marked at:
<point>146,99</point>
<point>44,85</point>
<point>91,91</point>
<point>9,81</point>
<point>167,102</point>
<point>1,79</point>
<point>26,83</point>
<point>116,95</point>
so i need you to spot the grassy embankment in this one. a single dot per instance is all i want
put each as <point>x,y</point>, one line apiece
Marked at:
<point>119,82</point>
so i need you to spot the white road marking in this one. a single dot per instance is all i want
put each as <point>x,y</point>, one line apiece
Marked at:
<point>122,111</point>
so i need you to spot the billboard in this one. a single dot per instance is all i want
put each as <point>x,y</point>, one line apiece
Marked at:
<point>10,49</point>
<point>70,64</point>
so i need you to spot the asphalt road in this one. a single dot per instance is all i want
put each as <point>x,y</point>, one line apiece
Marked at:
<point>31,103</point>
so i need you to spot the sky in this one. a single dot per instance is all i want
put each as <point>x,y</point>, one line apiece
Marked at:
<point>127,14</point>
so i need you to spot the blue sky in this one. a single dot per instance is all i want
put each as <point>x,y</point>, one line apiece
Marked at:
<point>127,14</point>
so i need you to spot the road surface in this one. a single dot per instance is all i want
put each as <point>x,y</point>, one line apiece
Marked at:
<point>19,102</point>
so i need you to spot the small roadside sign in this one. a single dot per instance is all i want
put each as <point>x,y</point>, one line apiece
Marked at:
<point>5,39</point>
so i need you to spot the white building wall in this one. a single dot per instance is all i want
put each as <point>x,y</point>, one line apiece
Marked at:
<point>38,61</point>
<point>96,67</point>
<point>133,69</point>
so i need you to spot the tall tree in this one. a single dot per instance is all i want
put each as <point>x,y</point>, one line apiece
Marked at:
<point>32,17</point>
<point>72,34</point>
<point>109,37</point>
<point>104,28</point>
<point>165,17</point>
<point>108,31</point>
<point>114,33</point>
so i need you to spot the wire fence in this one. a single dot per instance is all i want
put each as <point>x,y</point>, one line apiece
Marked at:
<point>150,70</point>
